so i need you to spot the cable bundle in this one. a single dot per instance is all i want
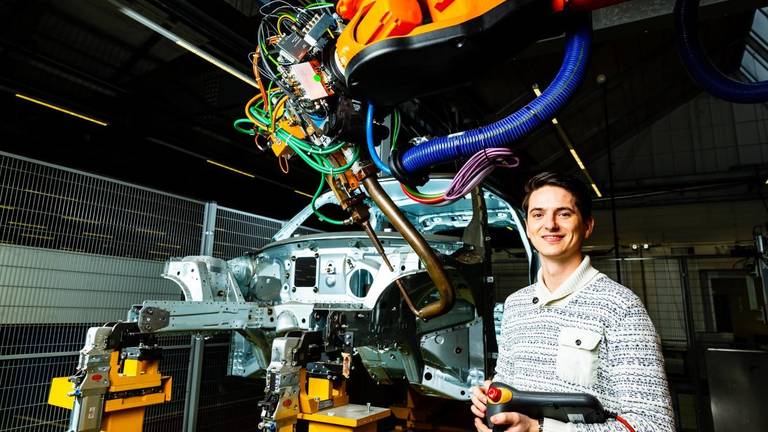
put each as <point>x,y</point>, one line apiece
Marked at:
<point>477,168</point>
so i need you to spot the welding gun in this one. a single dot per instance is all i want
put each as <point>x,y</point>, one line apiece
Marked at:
<point>565,407</point>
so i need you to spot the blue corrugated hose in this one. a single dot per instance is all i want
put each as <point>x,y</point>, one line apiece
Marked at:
<point>701,69</point>
<point>510,129</point>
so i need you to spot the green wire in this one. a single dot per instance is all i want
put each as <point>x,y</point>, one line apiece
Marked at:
<point>313,155</point>
<point>292,140</point>
<point>422,195</point>
<point>320,163</point>
<point>318,4</point>
<point>396,128</point>
<point>269,56</point>
<point>301,148</point>
<point>238,128</point>
<point>319,215</point>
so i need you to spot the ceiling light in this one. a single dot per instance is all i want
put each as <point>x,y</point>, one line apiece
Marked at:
<point>597,191</point>
<point>578,159</point>
<point>61,109</point>
<point>563,137</point>
<point>141,19</point>
<point>302,193</point>
<point>218,164</point>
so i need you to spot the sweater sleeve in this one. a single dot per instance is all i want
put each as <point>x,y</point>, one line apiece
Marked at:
<point>636,369</point>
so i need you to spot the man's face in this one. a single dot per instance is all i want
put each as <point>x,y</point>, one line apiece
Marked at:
<point>555,225</point>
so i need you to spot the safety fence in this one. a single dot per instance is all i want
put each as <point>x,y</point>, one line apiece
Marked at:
<point>77,250</point>
<point>695,303</point>
<point>663,284</point>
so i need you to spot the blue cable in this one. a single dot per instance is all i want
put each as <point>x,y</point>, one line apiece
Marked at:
<point>369,138</point>
<point>701,69</point>
<point>519,124</point>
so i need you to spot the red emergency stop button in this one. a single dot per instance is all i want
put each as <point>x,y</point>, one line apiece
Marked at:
<point>494,394</point>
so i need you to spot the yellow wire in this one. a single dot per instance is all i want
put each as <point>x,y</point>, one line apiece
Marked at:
<point>279,20</point>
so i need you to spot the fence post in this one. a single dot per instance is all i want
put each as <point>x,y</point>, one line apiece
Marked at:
<point>690,337</point>
<point>195,370</point>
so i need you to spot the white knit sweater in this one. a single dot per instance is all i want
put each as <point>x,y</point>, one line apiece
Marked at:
<point>593,336</point>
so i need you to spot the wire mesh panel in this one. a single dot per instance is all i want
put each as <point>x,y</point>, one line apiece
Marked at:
<point>168,417</point>
<point>24,384</point>
<point>52,207</point>
<point>239,232</point>
<point>77,250</point>
<point>657,282</point>
<point>664,298</point>
<point>226,402</point>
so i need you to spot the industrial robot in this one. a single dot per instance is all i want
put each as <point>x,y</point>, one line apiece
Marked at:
<point>329,79</point>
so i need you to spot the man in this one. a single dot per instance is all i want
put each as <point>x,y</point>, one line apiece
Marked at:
<point>575,330</point>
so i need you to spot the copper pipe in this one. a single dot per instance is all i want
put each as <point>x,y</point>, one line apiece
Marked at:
<point>380,249</point>
<point>420,246</point>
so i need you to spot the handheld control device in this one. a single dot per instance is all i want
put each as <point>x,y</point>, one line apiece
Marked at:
<point>565,407</point>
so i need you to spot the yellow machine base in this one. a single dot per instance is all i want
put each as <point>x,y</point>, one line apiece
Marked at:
<point>346,418</point>
<point>58,393</point>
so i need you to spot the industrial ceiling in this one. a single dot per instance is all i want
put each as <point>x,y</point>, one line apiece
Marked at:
<point>170,113</point>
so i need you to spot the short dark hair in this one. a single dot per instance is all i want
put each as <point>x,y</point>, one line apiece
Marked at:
<point>571,184</point>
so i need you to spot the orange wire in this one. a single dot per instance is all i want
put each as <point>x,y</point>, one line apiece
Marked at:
<point>250,116</point>
<point>257,76</point>
<point>280,161</point>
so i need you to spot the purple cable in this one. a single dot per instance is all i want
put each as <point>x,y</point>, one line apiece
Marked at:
<point>477,169</point>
